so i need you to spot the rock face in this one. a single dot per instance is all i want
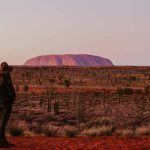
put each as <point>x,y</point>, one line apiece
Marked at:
<point>69,60</point>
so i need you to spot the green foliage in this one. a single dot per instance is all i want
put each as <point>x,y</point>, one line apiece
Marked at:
<point>66,83</point>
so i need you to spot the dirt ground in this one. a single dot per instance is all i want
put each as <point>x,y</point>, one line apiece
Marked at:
<point>80,143</point>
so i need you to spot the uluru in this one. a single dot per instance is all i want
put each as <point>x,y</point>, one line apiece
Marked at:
<point>68,60</point>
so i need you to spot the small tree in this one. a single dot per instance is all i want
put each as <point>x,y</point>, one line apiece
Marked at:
<point>50,94</point>
<point>78,107</point>
<point>56,107</point>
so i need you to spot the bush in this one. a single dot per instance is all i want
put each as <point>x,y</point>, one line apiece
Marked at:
<point>104,121</point>
<point>133,78</point>
<point>37,128</point>
<point>66,83</point>
<point>101,131</point>
<point>50,131</point>
<point>70,131</point>
<point>16,131</point>
<point>126,91</point>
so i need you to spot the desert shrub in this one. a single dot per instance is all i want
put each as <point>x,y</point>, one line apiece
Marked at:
<point>16,131</point>
<point>70,131</point>
<point>51,118</point>
<point>51,80</point>
<point>97,94</point>
<point>29,120</point>
<point>120,91</point>
<point>104,121</point>
<point>37,128</point>
<point>133,78</point>
<point>128,91</point>
<point>138,91</point>
<point>124,132</point>
<point>100,131</point>
<point>143,131</point>
<point>50,130</point>
<point>66,83</point>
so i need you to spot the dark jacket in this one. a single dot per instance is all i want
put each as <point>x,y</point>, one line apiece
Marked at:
<point>7,91</point>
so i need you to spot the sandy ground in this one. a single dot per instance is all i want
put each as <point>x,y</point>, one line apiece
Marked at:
<point>79,143</point>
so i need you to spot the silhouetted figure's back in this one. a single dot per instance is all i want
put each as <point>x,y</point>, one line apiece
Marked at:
<point>7,97</point>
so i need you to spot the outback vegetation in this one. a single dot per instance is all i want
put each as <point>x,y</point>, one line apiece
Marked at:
<point>90,101</point>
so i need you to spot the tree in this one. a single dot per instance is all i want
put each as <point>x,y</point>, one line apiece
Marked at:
<point>78,107</point>
<point>50,94</point>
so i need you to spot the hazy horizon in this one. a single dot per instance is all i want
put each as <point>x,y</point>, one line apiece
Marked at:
<point>118,30</point>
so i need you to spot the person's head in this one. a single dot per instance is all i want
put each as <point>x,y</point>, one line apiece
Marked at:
<point>6,67</point>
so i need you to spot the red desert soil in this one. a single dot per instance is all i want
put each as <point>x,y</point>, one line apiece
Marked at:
<point>80,143</point>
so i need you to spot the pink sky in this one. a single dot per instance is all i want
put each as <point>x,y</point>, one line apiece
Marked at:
<point>116,29</point>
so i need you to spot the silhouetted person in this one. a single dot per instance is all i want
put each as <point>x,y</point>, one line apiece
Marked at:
<point>7,97</point>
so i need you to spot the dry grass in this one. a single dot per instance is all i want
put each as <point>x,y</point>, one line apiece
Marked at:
<point>124,132</point>
<point>99,122</point>
<point>142,131</point>
<point>100,131</point>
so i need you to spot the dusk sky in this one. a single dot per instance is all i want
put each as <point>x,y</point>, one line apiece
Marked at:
<point>115,29</point>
